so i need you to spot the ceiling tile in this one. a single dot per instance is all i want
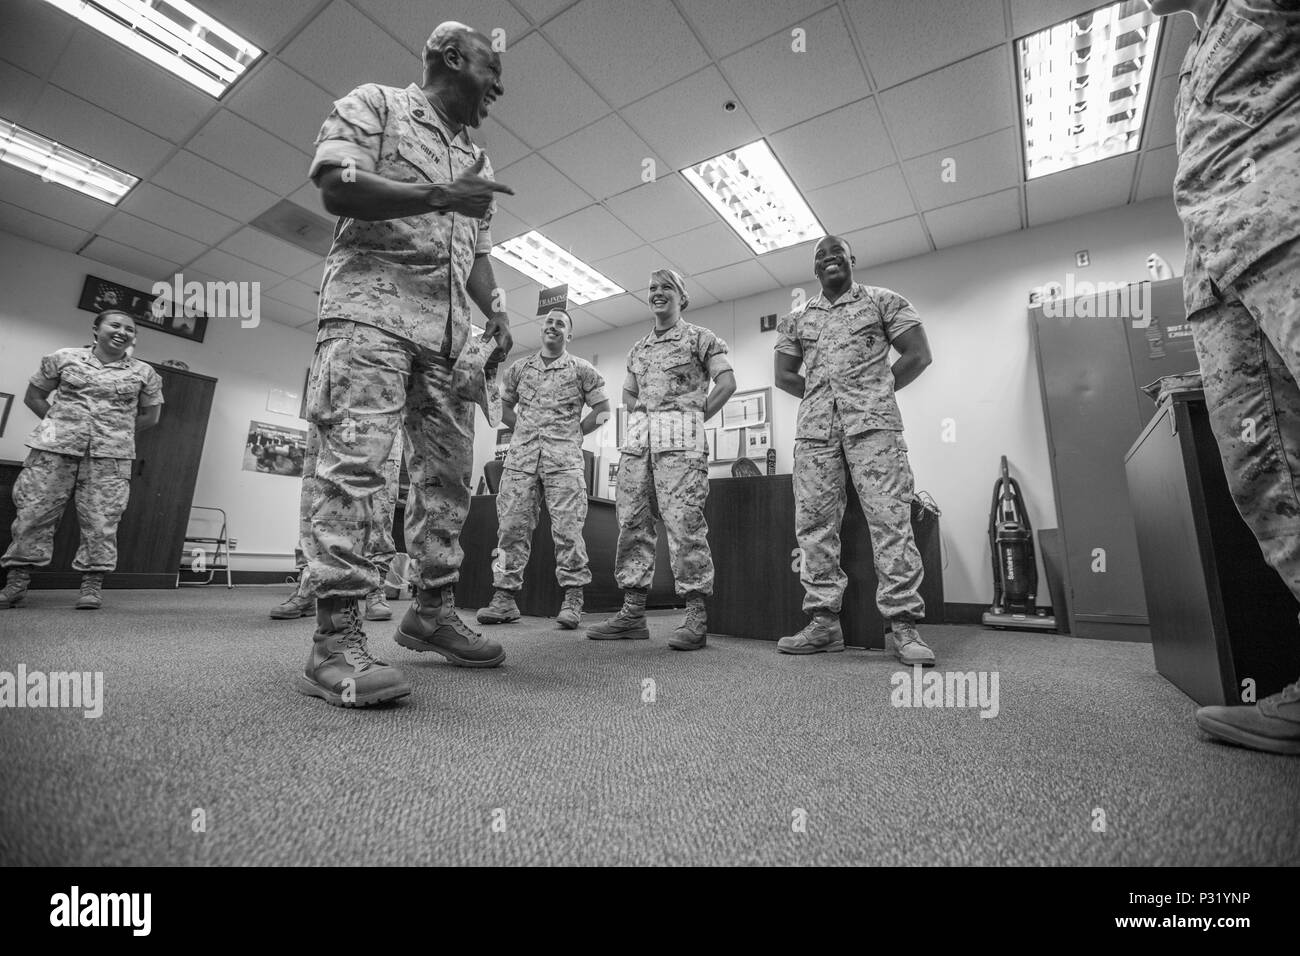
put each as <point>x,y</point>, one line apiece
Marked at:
<point>227,268</point>
<point>777,83</point>
<point>737,281</point>
<point>1178,32</point>
<point>298,294</point>
<point>34,35</point>
<point>686,124</point>
<point>632,269</point>
<point>662,208</point>
<point>262,23</point>
<point>18,91</point>
<point>71,120</point>
<point>122,82</point>
<point>283,313</point>
<point>792,266</point>
<point>975,219</point>
<point>282,102</point>
<point>952,105</point>
<point>308,197</point>
<point>889,242</point>
<point>542,112</point>
<point>977,168</point>
<point>503,147</point>
<point>147,267</point>
<point>727,27</point>
<point>605,158</point>
<point>151,238</point>
<point>411,21</point>
<point>541,192</point>
<point>815,152</point>
<point>268,251</point>
<point>527,338</point>
<point>255,154</point>
<point>540,10</point>
<point>313,276</point>
<point>904,40</point>
<point>38,228</point>
<point>50,200</point>
<point>1081,190</point>
<point>1157,176</point>
<point>340,49</point>
<point>862,201</point>
<point>508,279</point>
<point>1161,119</point>
<point>1030,16</point>
<point>592,232</point>
<point>709,247</point>
<point>619,309</point>
<point>177,214</point>
<point>195,178</point>
<point>627,50</point>
<point>506,226</point>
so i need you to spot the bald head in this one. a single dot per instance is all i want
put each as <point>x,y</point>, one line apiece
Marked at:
<point>462,72</point>
<point>833,264</point>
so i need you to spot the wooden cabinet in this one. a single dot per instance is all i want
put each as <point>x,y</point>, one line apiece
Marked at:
<point>151,536</point>
<point>1219,614</point>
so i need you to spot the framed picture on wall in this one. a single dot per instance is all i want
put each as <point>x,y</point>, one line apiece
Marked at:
<point>178,319</point>
<point>6,402</point>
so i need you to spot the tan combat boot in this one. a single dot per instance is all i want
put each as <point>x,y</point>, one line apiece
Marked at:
<point>692,634</point>
<point>627,625</point>
<point>91,584</point>
<point>432,624</point>
<point>15,588</point>
<point>340,668</point>
<point>570,615</point>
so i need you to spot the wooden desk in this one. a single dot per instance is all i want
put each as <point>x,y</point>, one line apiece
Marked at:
<point>756,578</point>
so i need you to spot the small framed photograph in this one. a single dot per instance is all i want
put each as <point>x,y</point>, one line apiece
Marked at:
<point>6,403</point>
<point>177,319</point>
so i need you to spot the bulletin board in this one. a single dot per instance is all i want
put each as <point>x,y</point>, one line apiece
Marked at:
<point>743,429</point>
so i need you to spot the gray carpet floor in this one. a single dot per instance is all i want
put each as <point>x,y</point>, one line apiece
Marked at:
<point>743,757</point>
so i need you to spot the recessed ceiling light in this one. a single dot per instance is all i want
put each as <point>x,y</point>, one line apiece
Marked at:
<point>56,163</point>
<point>1084,86</point>
<point>543,261</point>
<point>750,190</point>
<point>172,33</point>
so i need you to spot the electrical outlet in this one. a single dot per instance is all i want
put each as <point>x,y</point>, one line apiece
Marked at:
<point>767,323</point>
<point>234,543</point>
<point>1081,259</point>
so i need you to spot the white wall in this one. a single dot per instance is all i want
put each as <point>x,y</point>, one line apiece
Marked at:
<point>973,301</point>
<point>38,314</point>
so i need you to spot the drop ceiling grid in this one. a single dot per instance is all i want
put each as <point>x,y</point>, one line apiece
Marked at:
<point>633,107</point>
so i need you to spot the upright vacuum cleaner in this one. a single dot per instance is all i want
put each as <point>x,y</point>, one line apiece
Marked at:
<point>1015,572</point>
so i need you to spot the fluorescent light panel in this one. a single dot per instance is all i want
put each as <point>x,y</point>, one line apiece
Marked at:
<point>543,261</point>
<point>1084,86</point>
<point>750,190</point>
<point>172,33</point>
<point>59,164</point>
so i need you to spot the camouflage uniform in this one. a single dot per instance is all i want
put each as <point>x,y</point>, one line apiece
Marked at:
<point>394,310</point>
<point>84,447</point>
<point>663,470</point>
<point>1238,193</point>
<point>848,416</point>
<point>545,457</point>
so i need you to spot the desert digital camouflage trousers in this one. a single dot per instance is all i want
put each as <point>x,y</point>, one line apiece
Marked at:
<point>101,486</point>
<point>381,535</point>
<point>366,384</point>
<point>877,462</point>
<point>1249,350</point>
<point>518,507</point>
<point>671,485</point>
